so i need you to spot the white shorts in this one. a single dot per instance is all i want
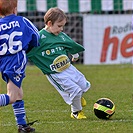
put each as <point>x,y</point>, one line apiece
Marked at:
<point>69,83</point>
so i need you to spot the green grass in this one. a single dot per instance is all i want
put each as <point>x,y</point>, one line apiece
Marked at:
<point>43,103</point>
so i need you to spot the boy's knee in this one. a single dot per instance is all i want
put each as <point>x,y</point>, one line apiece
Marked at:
<point>88,86</point>
<point>12,99</point>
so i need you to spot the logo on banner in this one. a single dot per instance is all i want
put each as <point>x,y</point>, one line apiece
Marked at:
<point>125,45</point>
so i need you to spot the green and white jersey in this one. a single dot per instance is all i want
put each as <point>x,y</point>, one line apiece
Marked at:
<point>52,54</point>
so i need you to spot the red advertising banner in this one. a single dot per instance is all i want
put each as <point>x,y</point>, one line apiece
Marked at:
<point>108,39</point>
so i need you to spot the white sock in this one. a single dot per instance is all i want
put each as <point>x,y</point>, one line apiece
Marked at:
<point>76,103</point>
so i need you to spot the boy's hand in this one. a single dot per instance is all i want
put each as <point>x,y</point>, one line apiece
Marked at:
<point>74,59</point>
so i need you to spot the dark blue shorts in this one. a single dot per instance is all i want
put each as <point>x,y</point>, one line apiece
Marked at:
<point>13,67</point>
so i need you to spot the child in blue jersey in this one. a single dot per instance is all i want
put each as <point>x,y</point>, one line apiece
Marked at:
<point>17,36</point>
<point>53,60</point>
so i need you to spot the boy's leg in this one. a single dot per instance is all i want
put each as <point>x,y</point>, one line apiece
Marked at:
<point>70,92</point>
<point>76,103</point>
<point>19,112</point>
<point>76,107</point>
<point>11,96</point>
<point>16,95</point>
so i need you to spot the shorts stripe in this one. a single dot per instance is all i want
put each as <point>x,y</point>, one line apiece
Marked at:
<point>55,83</point>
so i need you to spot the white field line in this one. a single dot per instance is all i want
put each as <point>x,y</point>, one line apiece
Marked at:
<point>62,122</point>
<point>35,111</point>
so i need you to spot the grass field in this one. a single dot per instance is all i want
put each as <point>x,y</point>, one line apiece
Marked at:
<point>43,103</point>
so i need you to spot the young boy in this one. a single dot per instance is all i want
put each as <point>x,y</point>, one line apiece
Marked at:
<point>52,58</point>
<point>17,36</point>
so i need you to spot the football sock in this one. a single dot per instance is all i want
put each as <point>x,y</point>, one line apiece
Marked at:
<point>4,99</point>
<point>19,112</point>
<point>76,104</point>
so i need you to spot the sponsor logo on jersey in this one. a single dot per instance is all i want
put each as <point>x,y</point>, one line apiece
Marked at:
<point>60,63</point>
<point>48,52</point>
<point>52,51</point>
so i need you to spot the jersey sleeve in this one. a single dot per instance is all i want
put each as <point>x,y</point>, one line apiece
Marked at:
<point>74,46</point>
<point>33,34</point>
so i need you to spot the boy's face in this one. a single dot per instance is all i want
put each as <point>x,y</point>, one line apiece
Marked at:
<point>57,27</point>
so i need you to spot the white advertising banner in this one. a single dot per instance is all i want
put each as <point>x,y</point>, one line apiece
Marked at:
<point>108,39</point>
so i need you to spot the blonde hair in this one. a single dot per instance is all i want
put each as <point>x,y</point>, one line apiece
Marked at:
<point>7,6</point>
<point>54,14</point>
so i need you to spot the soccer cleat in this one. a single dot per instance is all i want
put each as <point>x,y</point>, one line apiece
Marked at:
<point>27,129</point>
<point>83,102</point>
<point>78,115</point>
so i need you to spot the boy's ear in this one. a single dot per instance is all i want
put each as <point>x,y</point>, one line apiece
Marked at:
<point>15,11</point>
<point>49,23</point>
